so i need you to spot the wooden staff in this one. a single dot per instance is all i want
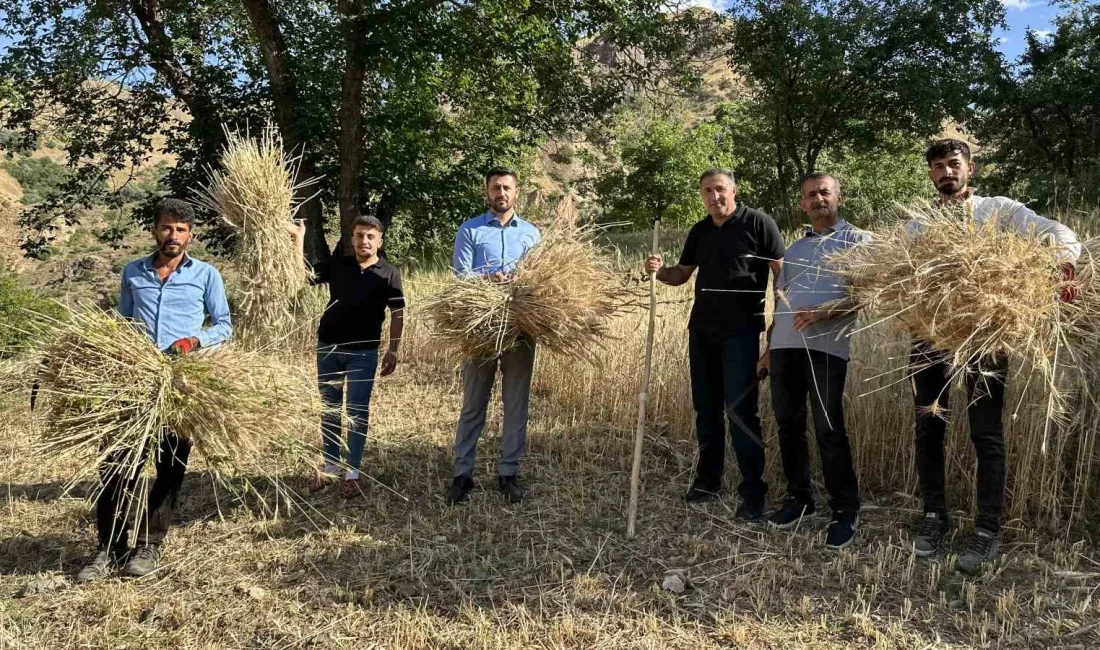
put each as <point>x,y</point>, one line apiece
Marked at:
<point>643,392</point>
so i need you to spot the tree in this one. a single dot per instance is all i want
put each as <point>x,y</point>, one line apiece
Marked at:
<point>849,72</point>
<point>658,167</point>
<point>399,105</point>
<point>1040,119</point>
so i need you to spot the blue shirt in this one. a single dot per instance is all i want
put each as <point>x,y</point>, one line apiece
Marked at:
<point>807,281</point>
<point>483,246</point>
<point>176,308</point>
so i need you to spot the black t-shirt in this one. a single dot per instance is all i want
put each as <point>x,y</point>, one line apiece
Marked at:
<point>733,270</point>
<point>357,302</point>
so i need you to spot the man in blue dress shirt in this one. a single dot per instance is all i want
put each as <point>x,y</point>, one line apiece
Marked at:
<point>168,295</point>
<point>490,245</point>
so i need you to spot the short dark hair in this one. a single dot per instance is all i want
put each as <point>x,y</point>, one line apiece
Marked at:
<point>175,209</point>
<point>500,171</point>
<point>717,171</point>
<point>817,176</point>
<point>367,221</point>
<point>946,147</point>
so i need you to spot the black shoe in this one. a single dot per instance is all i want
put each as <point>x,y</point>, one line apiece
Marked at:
<point>512,491</point>
<point>142,562</point>
<point>791,513</point>
<point>933,528</point>
<point>842,530</point>
<point>750,510</point>
<point>700,492</point>
<point>97,567</point>
<point>984,545</point>
<point>460,490</point>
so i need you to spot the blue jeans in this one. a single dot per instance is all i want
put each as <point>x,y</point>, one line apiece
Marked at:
<point>337,367</point>
<point>724,386</point>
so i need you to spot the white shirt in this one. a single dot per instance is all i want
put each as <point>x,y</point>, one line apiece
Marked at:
<point>1017,217</point>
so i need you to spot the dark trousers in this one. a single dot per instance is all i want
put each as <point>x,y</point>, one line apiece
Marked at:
<point>985,392</point>
<point>115,505</point>
<point>795,375</point>
<point>724,386</point>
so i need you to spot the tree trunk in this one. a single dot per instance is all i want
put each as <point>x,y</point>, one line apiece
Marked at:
<point>351,116</point>
<point>284,94</point>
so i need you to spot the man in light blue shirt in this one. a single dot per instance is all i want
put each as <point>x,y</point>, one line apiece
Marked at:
<point>168,295</point>
<point>808,350</point>
<point>490,245</point>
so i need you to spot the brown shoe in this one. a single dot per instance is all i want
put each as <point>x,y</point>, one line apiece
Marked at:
<point>351,488</point>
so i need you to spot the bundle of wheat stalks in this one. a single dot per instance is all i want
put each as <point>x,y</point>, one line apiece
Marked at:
<point>255,191</point>
<point>973,290</point>
<point>560,296</point>
<point>107,393</point>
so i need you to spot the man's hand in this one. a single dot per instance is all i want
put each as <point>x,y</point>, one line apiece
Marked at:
<point>763,366</point>
<point>498,277</point>
<point>183,347</point>
<point>808,316</point>
<point>296,228</point>
<point>653,263</point>
<point>389,363</point>
<point>1069,290</point>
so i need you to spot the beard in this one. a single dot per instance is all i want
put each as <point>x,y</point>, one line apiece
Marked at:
<point>950,188</point>
<point>171,253</point>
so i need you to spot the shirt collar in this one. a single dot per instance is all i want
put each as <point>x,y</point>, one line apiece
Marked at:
<point>491,217</point>
<point>841,224</point>
<point>187,261</point>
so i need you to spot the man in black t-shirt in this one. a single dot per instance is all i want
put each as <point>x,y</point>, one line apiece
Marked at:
<point>361,288</point>
<point>734,247</point>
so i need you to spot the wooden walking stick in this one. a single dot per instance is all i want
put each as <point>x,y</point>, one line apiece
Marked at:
<point>643,392</point>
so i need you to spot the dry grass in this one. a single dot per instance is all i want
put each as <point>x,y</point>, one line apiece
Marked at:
<point>108,395</point>
<point>397,569</point>
<point>562,296</point>
<point>255,191</point>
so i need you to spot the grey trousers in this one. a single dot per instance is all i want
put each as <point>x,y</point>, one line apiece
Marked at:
<point>516,365</point>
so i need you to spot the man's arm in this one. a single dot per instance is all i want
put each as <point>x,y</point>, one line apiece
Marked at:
<point>126,296</point>
<point>217,306</point>
<point>674,276</point>
<point>463,259</point>
<point>763,364</point>
<point>397,328</point>
<point>1026,222</point>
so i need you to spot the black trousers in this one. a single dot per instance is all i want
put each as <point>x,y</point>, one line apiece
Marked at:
<point>114,507</point>
<point>795,375</point>
<point>985,392</point>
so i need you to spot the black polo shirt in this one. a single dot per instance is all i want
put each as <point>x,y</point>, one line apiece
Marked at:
<point>732,261</point>
<point>357,302</point>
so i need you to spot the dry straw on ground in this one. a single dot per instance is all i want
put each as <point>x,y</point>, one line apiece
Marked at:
<point>107,393</point>
<point>561,296</point>
<point>256,192</point>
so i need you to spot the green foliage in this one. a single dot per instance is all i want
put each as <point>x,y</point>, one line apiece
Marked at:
<point>1040,119</point>
<point>38,177</point>
<point>872,182</point>
<point>23,312</point>
<point>851,72</point>
<point>658,168</point>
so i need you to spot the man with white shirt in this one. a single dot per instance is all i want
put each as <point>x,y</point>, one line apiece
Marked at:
<point>950,168</point>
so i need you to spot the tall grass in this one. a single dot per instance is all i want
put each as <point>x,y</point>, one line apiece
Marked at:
<point>1055,490</point>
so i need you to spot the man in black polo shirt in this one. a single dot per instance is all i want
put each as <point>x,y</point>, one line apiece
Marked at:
<point>733,248</point>
<point>361,288</point>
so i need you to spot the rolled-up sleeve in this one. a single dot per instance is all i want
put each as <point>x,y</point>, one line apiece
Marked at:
<point>217,306</point>
<point>1066,246</point>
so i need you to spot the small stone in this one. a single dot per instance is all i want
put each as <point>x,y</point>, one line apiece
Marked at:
<point>41,586</point>
<point>440,539</point>
<point>257,593</point>
<point>674,583</point>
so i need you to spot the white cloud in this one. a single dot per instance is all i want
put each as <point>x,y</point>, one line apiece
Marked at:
<point>1043,33</point>
<point>1022,5</point>
<point>714,5</point>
